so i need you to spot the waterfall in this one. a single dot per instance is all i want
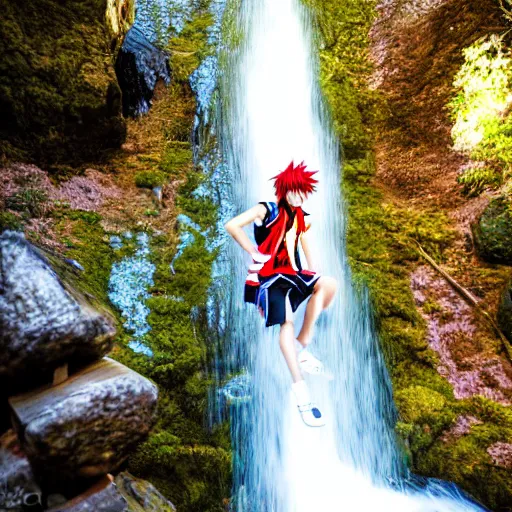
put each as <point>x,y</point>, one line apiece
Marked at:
<point>271,112</point>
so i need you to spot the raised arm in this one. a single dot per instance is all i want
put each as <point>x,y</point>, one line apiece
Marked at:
<point>235,226</point>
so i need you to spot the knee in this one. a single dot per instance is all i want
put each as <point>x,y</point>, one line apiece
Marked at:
<point>331,284</point>
<point>287,324</point>
<point>327,284</point>
<point>329,288</point>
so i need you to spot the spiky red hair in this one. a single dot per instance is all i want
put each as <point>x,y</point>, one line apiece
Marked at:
<point>295,179</point>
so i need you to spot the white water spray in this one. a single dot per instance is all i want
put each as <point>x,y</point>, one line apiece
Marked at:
<point>272,113</point>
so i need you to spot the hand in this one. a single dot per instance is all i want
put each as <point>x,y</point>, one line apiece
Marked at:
<point>258,257</point>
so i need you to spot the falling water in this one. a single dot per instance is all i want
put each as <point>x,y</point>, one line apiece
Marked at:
<point>272,113</point>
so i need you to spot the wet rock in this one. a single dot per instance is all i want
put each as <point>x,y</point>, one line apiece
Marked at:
<point>124,494</point>
<point>44,323</point>
<point>142,495</point>
<point>18,487</point>
<point>86,426</point>
<point>103,496</point>
<point>139,65</point>
<point>493,232</point>
<point>55,500</point>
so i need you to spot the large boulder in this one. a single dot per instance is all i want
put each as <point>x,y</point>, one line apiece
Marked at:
<point>59,96</point>
<point>493,232</point>
<point>43,322</point>
<point>86,426</point>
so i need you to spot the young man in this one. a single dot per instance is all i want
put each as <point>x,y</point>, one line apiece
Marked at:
<point>277,283</point>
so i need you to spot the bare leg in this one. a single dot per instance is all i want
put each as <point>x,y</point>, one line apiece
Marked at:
<point>323,294</point>
<point>287,344</point>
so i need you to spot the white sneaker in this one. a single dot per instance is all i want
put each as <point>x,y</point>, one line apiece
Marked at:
<point>309,412</point>
<point>310,364</point>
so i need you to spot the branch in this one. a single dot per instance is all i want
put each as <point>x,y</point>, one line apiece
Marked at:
<point>469,297</point>
<point>508,12</point>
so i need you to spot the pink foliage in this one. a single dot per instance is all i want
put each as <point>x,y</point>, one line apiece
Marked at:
<point>86,192</point>
<point>461,427</point>
<point>453,325</point>
<point>501,454</point>
<point>18,177</point>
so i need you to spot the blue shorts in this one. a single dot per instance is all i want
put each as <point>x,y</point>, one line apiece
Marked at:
<point>270,295</point>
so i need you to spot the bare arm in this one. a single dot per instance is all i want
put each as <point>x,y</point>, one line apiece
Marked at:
<point>235,226</point>
<point>307,251</point>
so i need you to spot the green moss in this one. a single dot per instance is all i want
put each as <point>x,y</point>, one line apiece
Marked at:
<point>466,462</point>
<point>416,403</point>
<point>150,179</point>
<point>177,156</point>
<point>59,96</point>
<point>504,316</point>
<point>185,461</point>
<point>344,66</point>
<point>475,180</point>
<point>88,244</point>
<point>178,466</point>
<point>31,202</point>
<point>431,306</point>
<point>10,221</point>
<point>88,217</point>
<point>190,47</point>
<point>200,208</point>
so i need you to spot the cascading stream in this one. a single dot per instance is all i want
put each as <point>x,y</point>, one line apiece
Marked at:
<point>272,113</point>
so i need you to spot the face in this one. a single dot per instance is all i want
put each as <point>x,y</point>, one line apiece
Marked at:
<point>295,198</point>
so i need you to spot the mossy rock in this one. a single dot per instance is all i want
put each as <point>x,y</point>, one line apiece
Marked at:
<point>466,462</point>
<point>493,232</point>
<point>59,96</point>
<point>505,312</point>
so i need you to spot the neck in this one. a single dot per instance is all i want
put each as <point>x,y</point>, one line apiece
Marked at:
<point>283,203</point>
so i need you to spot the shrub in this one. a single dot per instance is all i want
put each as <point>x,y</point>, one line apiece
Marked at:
<point>476,179</point>
<point>481,112</point>
<point>31,201</point>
